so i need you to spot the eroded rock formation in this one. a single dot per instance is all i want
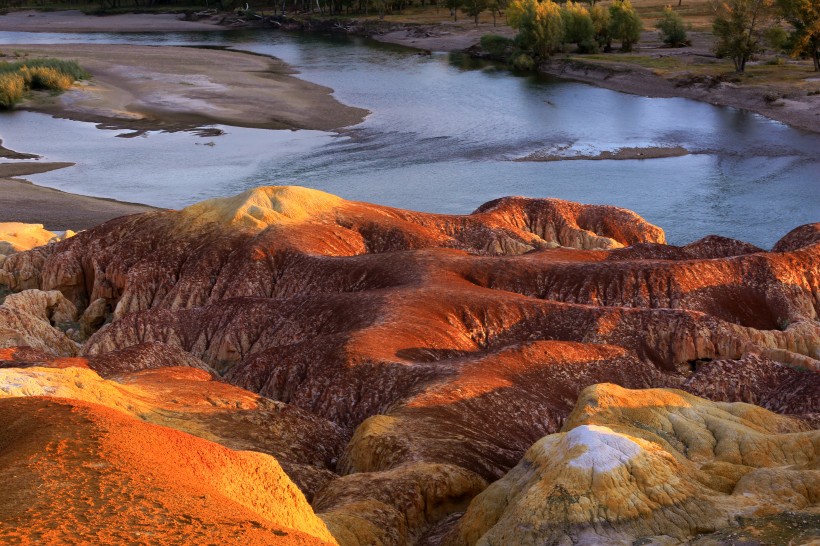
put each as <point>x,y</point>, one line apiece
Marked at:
<point>30,318</point>
<point>647,466</point>
<point>17,236</point>
<point>76,472</point>
<point>431,351</point>
<point>190,400</point>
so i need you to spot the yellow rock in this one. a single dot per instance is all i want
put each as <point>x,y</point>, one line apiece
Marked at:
<point>17,236</point>
<point>653,464</point>
<point>261,207</point>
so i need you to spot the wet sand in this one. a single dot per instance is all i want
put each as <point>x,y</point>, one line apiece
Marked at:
<point>9,170</point>
<point>172,88</point>
<point>22,201</point>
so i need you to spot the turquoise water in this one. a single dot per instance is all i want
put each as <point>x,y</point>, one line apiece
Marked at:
<point>442,137</point>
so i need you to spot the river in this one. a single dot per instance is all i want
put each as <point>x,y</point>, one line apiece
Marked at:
<point>443,136</point>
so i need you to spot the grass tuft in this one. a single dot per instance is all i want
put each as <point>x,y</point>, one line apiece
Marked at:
<point>18,77</point>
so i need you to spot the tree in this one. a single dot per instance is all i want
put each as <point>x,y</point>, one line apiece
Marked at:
<point>624,24</point>
<point>578,27</point>
<point>737,26</point>
<point>496,7</point>
<point>475,7</point>
<point>600,25</point>
<point>453,5</point>
<point>539,25</point>
<point>804,17</point>
<point>671,27</point>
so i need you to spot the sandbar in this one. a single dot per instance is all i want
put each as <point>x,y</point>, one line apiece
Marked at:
<point>22,201</point>
<point>179,88</point>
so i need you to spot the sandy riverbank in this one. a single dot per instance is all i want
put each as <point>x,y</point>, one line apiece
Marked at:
<point>77,21</point>
<point>22,201</point>
<point>792,107</point>
<point>144,87</point>
<point>444,37</point>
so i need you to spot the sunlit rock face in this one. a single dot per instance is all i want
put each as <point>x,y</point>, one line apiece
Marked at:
<point>17,236</point>
<point>190,400</point>
<point>88,474</point>
<point>30,318</point>
<point>431,351</point>
<point>650,466</point>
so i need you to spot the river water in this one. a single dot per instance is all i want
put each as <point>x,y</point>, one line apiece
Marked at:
<point>443,136</point>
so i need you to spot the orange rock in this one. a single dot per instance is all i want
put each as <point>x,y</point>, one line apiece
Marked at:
<point>76,472</point>
<point>445,343</point>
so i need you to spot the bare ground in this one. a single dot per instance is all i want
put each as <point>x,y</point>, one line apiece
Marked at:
<point>144,87</point>
<point>77,21</point>
<point>22,201</point>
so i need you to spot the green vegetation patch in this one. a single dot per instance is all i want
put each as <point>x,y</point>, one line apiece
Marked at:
<point>19,77</point>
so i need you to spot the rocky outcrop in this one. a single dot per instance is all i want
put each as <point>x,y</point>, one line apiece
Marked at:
<point>137,262</point>
<point>190,400</point>
<point>144,356</point>
<point>649,466</point>
<point>17,236</point>
<point>395,506</point>
<point>76,472</point>
<point>426,347</point>
<point>760,381</point>
<point>29,318</point>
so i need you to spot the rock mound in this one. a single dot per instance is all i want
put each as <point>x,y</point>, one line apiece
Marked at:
<point>259,208</point>
<point>76,472</point>
<point>30,318</point>
<point>649,466</point>
<point>190,400</point>
<point>411,347</point>
<point>17,236</point>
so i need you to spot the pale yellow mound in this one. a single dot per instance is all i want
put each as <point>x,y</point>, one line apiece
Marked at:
<point>653,465</point>
<point>17,236</point>
<point>261,207</point>
<point>75,383</point>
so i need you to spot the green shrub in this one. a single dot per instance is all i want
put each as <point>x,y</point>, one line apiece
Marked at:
<point>46,78</point>
<point>523,62</point>
<point>672,28</point>
<point>497,46</point>
<point>777,38</point>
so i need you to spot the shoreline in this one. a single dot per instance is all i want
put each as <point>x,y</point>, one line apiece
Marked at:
<point>180,88</point>
<point>26,202</point>
<point>803,115</point>
<point>797,112</point>
<point>178,97</point>
<point>769,100</point>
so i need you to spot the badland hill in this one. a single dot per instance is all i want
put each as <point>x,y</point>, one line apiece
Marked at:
<point>287,367</point>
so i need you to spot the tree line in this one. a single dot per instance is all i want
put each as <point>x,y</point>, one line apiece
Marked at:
<point>546,27</point>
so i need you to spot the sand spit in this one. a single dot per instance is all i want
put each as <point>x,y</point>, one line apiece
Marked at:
<point>173,88</point>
